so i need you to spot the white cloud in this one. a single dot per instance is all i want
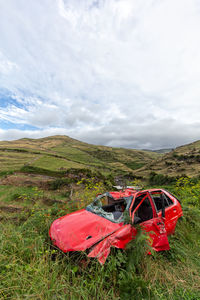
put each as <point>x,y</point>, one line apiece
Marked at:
<point>98,70</point>
<point>11,134</point>
<point>6,66</point>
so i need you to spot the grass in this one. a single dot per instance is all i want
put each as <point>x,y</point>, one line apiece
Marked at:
<point>10,194</point>
<point>75,154</point>
<point>31,261</point>
<point>134,165</point>
<point>26,254</point>
<point>14,161</point>
<point>55,164</point>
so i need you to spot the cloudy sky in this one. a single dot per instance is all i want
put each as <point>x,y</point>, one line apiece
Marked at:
<point>122,73</point>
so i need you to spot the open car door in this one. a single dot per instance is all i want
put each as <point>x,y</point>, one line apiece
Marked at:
<point>144,213</point>
<point>172,208</point>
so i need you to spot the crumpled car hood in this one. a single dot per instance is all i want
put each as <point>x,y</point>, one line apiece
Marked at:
<point>80,230</point>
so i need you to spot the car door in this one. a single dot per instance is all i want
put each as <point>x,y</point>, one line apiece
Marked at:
<point>144,213</point>
<point>171,209</point>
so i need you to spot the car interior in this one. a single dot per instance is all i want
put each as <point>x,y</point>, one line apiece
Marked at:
<point>113,209</point>
<point>117,208</point>
<point>157,197</point>
<point>144,212</point>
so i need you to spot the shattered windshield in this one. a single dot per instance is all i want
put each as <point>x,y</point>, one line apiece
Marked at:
<point>110,208</point>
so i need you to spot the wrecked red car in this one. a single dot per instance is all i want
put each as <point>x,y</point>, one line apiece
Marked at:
<point>102,224</point>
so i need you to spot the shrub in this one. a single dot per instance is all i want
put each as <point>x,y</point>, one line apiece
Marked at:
<point>60,182</point>
<point>41,171</point>
<point>160,179</point>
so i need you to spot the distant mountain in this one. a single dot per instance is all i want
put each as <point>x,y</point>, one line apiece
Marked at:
<point>160,151</point>
<point>167,150</point>
<point>183,160</point>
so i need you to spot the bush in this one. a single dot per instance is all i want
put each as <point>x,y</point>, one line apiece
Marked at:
<point>188,189</point>
<point>6,173</point>
<point>160,179</point>
<point>60,182</point>
<point>41,171</point>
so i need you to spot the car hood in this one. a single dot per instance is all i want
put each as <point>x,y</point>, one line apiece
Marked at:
<point>80,230</point>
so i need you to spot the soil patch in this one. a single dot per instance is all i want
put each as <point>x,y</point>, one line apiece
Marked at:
<point>10,208</point>
<point>41,181</point>
<point>49,201</point>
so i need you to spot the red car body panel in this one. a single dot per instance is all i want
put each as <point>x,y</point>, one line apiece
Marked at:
<point>125,193</point>
<point>118,239</point>
<point>71,232</point>
<point>83,229</point>
<point>172,214</point>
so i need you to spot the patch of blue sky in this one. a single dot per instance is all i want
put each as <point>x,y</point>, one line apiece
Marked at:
<point>7,99</point>
<point>9,125</point>
<point>4,98</point>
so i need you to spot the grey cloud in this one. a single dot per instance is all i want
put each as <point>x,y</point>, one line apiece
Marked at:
<point>163,134</point>
<point>121,73</point>
<point>154,136</point>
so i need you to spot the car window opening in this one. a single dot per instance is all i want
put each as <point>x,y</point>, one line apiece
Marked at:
<point>109,208</point>
<point>144,212</point>
<point>157,198</point>
<point>138,199</point>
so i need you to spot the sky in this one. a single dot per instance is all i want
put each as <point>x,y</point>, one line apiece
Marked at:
<point>123,73</point>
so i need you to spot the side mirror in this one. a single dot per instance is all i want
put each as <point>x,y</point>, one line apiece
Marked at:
<point>163,206</point>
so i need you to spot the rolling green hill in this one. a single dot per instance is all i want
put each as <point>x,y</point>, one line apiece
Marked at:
<point>59,153</point>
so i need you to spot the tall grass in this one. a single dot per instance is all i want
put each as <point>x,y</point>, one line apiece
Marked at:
<point>31,268</point>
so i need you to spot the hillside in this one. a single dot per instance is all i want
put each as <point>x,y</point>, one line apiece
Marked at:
<point>62,153</point>
<point>59,153</point>
<point>183,160</point>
